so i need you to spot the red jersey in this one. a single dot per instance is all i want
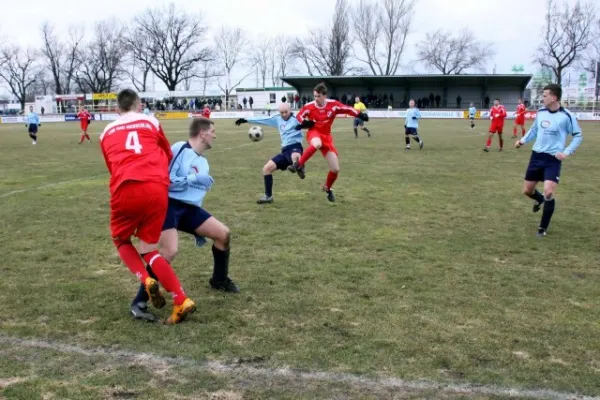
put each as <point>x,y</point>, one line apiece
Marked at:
<point>498,113</point>
<point>84,116</point>
<point>520,113</point>
<point>135,149</point>
<point>206,112</point>
<point>324,116</point>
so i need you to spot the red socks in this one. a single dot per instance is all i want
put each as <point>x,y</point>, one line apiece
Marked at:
<point>308,153</point>
<point>331,177</point>
<point>166,276</point>
<point>488,144</point>
<point>131,258</point>
<point>84,136</point>
<point>515,131</point>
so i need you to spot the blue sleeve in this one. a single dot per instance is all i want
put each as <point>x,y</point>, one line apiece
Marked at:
<point>418,114</point>
<point>575,131</point>
<point>532,133</point>
<point>272,121</point>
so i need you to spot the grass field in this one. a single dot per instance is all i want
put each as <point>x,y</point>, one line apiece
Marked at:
<point>424,280</point>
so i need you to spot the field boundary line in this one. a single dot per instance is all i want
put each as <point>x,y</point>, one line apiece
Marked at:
<point>288,373</point>
<point>85,178</point>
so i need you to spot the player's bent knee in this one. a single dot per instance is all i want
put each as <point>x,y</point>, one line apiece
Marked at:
<point>169,252</point>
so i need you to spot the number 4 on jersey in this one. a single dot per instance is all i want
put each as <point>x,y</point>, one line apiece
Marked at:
<point>133,142</point>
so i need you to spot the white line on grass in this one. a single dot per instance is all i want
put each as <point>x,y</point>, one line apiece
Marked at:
<point>287,373</point>
<point>50,185</point>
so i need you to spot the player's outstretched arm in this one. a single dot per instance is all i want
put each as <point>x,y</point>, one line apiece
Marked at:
<point>272,121</point>
<point>306,124</point>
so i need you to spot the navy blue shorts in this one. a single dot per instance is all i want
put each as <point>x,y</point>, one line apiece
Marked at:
<point>410,131</point>
<point>184,217</point>
<point>33,128</point>
<point>284,159</point>
<point>543,167</point>
<point>358,122</point>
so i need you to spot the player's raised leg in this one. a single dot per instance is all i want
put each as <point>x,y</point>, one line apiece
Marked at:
<point>529,190</point>
<point>298,166</point>
<point>332,175</point>
<point>214,229</point>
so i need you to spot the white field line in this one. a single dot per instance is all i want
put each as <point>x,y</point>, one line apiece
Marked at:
<point>50,185</point>
<point>287,373</point>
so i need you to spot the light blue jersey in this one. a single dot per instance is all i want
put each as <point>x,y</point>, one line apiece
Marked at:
<point>33,118</point>
<point>287,129</point>
<point>550,131</point>
<point>185,169</point>
<point>147,111</point>
<point>472,111</point>
<point>412,118</point>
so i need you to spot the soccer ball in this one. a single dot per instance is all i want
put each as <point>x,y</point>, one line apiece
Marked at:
<point>255,133</point>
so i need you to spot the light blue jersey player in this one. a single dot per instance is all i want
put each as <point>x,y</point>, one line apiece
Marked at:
<point>552,125</point>
<point>291,145</point>
<point>411,125</point>
<point>190,181</point>
<point>33,122</point>
<point>472,113</point>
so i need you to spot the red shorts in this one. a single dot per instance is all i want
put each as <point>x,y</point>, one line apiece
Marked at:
<point>496,127</point>
<point>520,121</point>
<point>138,209</point>
<point>326,142</point>
<point>84,125</point>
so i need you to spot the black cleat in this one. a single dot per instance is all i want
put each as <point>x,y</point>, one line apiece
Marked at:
<point>537,206</point>
<point>541,233</point>
<point>330,195</point>
<point>486,150</point>
<point>265,200</point>
<point>421,144</point>
<point>297,169</point>
<point>227,286</point>
<point>499,149</point>
<point>140,311</point>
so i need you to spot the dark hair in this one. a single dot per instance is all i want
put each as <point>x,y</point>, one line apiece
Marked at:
<point>126,99</point>
<point>199,124</point>
<point>321,88</point>
<point>497,99</point>
<point>554,89</point>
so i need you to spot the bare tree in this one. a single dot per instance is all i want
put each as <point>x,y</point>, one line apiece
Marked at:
<point>139,59</point>
<point>101,60</point>
<point>327,51</point>
<point>381,30</point>
<point>453,55</point>
<point>61,56</point>
<point>207,74</point>
<point>230,45</point>
<point>591,57</point>
<point>172,45</point>
<point>263,60</point>
<point>282,59</point>
<point>19,72</point>
<point>567,34</point>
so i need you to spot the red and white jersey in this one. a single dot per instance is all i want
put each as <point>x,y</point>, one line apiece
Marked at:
<point>84,116</point>
<point>206,112</point>
<point>324,116</point>
<point>521,109</point>
<point>135,148</point>
<point>498,113</point>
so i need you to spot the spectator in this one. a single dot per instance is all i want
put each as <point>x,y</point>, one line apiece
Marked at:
<point>245,101</point>
<point>438,99</point>
<point>458,101</point>
<point>251,101</point>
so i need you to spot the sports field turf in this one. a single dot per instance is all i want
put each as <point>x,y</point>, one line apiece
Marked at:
<point>426,272</point>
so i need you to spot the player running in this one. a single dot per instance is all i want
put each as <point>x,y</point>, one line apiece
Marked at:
<point>519,119</point>
<point>322,111</point>
<point>550,129</point>
<point>137,155</point>
<point>33,123</point>
<point>497,116</point>
<point>84,118</point>
<point>411,125</point>
<point>360,107</point>
<point>206,111</point>
<point>472,113</point>
<point>190,181</point>
<point>291,146</point>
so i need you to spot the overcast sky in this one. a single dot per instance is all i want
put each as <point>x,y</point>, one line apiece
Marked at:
<point>514,26</point>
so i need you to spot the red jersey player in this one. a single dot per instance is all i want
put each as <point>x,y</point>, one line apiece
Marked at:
<point>137,156</point>
<point>206,111</point>
<point>519,119</point>
<point>318,116</point>
<point>84,120</point>
<point>497,115</point>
